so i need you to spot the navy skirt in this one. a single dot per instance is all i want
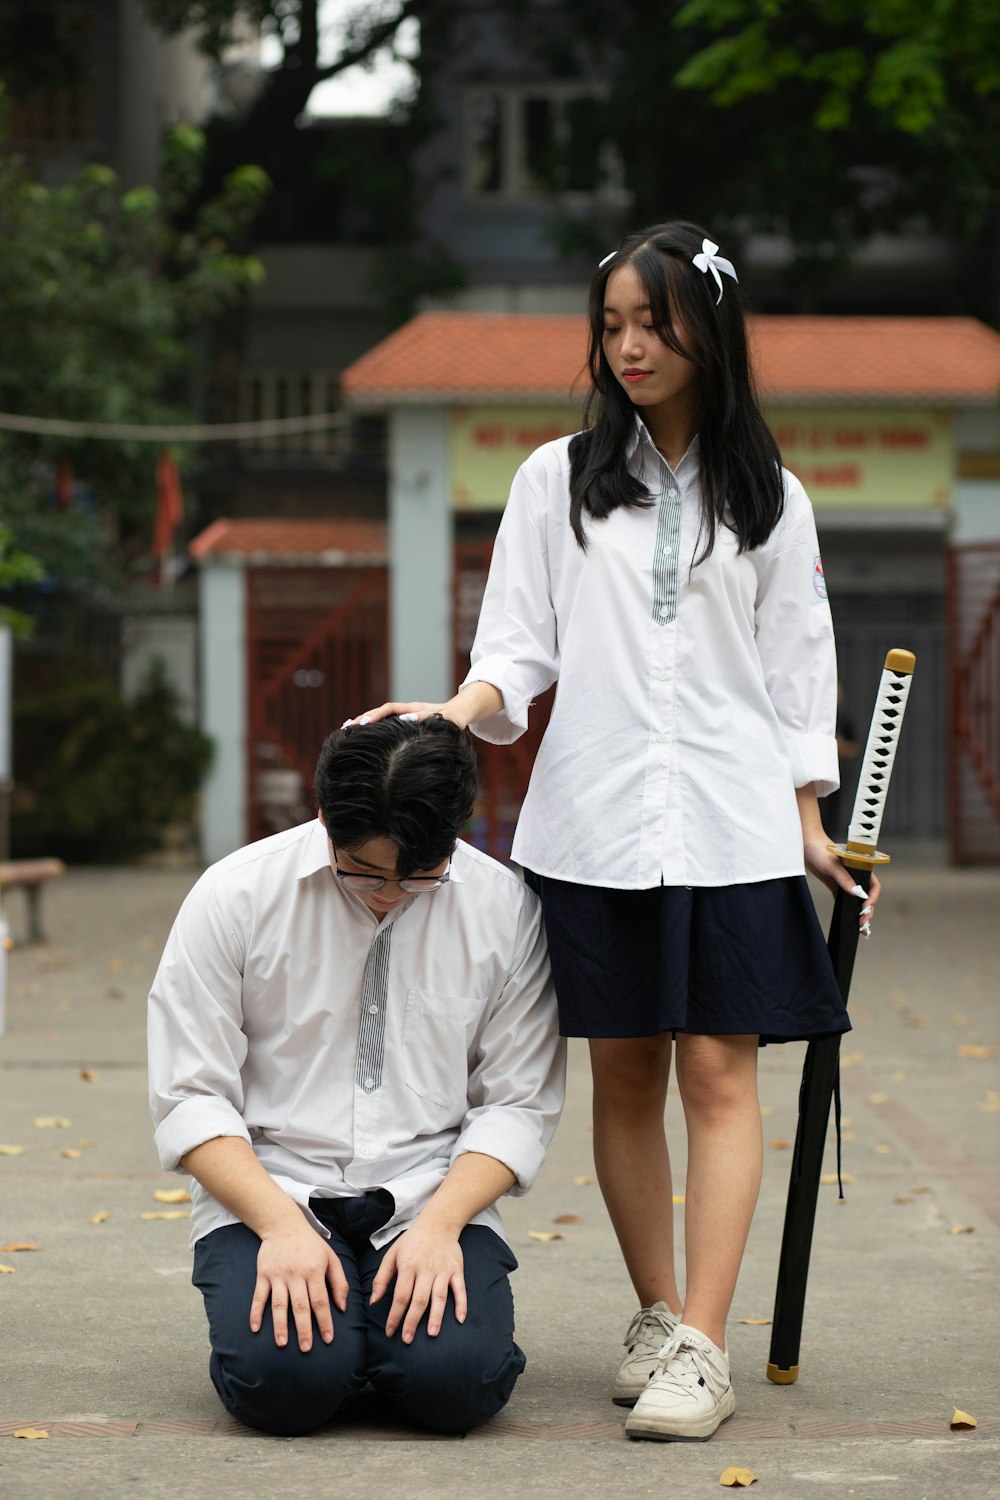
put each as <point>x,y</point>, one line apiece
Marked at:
<point>709,960</point>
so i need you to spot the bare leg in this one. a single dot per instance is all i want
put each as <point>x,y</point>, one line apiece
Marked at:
<point>633,1165</point>
<point>717,1076</point>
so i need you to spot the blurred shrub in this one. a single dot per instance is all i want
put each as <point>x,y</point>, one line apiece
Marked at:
<point>98,777</point>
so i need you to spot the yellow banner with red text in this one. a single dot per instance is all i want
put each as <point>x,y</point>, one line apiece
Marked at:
<point>868,458</point>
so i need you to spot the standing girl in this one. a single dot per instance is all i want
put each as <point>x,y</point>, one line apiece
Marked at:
<point>664,568</point>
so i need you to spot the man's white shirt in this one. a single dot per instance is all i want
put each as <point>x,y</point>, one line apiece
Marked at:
<point>692,701</point>
<point>352,1053</point>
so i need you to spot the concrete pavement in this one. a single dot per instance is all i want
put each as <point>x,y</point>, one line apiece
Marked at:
<point>102,1336</point>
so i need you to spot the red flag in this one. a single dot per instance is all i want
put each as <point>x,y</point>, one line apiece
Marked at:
<point>64,484</point>
<point>169,504</point>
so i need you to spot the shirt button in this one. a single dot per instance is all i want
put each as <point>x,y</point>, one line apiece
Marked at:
<point>362,1150</point>
<point>369,1083</point>
<point>373,1010</point>
<point>671,494</point>
<point>662,739</point>
<point>664,613</point>
<point>668,551</point>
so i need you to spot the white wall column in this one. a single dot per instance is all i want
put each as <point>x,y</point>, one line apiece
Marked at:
<point>420,555</point>
<point>222,588</point>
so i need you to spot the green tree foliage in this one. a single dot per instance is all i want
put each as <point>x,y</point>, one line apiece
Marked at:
<point>100,776</point>
<point>17,568</point>
<point>828,123</point>
<point>914,64</point>
<point>103,294</point>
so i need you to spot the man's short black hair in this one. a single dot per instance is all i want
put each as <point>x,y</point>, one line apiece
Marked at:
<point>411,782</point>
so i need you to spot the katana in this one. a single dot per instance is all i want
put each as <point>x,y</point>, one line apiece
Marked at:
<point>860,854</point>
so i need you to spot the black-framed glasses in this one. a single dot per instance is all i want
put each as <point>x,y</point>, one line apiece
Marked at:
<point>413,885</point>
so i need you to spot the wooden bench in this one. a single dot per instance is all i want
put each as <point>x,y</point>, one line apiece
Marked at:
<point>31,875</point>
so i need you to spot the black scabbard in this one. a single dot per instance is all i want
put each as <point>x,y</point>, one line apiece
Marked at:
<point>819,1078</point>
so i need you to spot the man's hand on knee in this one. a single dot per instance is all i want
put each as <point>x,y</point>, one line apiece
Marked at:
<point>425,1263</point>
<point>297,1270</point>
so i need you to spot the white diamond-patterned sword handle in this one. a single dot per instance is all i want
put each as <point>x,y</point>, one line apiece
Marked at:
<point>880,752</point>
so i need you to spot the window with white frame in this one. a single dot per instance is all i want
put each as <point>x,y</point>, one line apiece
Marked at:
<point>527,143</point>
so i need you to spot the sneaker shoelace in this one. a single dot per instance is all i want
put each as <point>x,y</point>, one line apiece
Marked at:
<point>648,1330</point>
<point>686,1367</point>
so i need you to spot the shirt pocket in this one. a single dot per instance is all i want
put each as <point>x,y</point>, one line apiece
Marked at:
<point>435,1046</point>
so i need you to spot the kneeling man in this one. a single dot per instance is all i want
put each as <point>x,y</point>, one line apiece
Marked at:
<point>354,1051</point>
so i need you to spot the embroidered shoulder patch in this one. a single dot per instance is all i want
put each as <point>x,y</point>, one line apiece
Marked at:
<point>819,578</point>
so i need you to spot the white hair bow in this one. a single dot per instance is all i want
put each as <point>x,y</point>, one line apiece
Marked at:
<point>709,260</point>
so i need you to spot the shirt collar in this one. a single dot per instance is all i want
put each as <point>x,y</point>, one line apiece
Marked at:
<point>641,434</point>
<point>315,851</point>
<point>316,854</point>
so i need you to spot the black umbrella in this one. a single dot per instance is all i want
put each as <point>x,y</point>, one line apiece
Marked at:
<point>819,1075</point>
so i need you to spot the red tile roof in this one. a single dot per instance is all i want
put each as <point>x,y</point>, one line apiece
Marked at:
<point>459,357</point>
<point>329,542</point>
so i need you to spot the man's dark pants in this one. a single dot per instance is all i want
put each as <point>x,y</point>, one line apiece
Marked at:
<point>449,1383</point>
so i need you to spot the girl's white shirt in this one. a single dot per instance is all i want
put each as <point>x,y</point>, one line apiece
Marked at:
<point>691,702</point>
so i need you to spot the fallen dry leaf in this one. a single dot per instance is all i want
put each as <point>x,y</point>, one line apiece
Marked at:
<point>780,1144</point>
<point>533,1234</point>
<point>30,1433</point>
<point>101,1217</point>
<point>583,1179</point>
<point>755,1322</point>
<point>7,1271</point>
<point>962,1229</point>
<point>115,964</point>
<point>568,1219</point>
<point>968,1051</point>
<point>905,1198</point>
<point>846,1120</point>
<point>12,1150</point>
<point>961,1421</point>
<point>851,1059</point>
<point>88,1076</point>
<point>959,1020</point>
<point>86,1141</point>
<point>878,1098</point>
<point>829,1177</point>
<point>916,1021</point>
<point>9,1249</point>
<point>170,1213</point>
<point>738,1477</point>
<point>51,1122</point>
<point>920,1190</point>
<point>848,1135</point>
<point>115,994</point>
<point>899,1076</point>
<point>882,1150</point>
<point>172,1195</point>
<point>73,1152</point>
<point>988,1105</point>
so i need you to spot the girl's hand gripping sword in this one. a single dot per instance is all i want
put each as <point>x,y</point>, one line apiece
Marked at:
<point>860,854</point>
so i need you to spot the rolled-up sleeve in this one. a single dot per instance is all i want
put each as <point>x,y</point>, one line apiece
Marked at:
<point>516,645</point>
<point>518,1083</point>
<point>196,1043</point>
<point>794,635</point>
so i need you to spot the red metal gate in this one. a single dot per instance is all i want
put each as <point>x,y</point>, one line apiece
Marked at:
<point>317,650</point>
<point>974,709</point>
<point>503,769</point>
<point>317,647</point>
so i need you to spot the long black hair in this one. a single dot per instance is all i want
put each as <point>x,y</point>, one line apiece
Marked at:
<point>741,482</point>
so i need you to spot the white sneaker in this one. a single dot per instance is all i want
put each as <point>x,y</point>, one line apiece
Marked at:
<point>650,1329</point>
<point>689,1393</point>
